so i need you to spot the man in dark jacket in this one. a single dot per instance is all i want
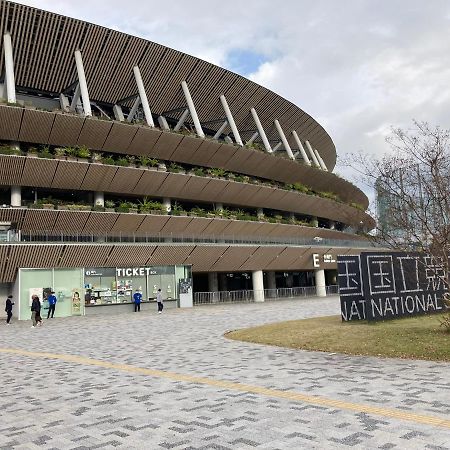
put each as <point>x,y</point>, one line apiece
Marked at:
<point>35,311</point>
<point>51,304</point>
<point>8,309</point>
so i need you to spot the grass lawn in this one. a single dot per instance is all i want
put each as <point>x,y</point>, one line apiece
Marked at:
<point>412,338</point>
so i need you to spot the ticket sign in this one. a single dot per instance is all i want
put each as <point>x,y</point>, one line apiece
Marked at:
<point>381,286</point>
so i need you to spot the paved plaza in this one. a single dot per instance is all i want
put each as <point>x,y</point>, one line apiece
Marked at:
<point>172,381</point>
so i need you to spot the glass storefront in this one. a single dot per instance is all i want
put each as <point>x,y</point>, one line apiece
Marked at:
<point>66,283</point>
<point>77,289</point>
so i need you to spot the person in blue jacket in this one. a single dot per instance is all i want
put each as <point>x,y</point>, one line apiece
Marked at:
<point>137,297</point>
<point>51,304</point>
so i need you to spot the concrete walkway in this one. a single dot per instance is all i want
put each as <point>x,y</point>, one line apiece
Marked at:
<point>144,380</point>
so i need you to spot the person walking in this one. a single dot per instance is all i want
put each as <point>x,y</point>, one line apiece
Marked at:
<point>159,300</point>
<point>35,311</point>
<point>137,297</point>
<point>8,309</point>
<point>51,304</point>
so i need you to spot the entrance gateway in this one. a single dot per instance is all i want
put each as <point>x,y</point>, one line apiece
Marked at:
<point>100,290</point>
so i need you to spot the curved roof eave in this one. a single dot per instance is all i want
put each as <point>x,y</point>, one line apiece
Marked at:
<point>44,61</point>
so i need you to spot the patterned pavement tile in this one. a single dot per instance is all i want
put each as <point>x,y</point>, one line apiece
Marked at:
<point>65,404</point>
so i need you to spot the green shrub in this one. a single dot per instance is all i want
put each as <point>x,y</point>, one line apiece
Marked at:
<point>108,160</point>
<point>124,162</point>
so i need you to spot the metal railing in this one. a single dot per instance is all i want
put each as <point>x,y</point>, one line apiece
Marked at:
<point>247,296</point>
<point>134,238</point>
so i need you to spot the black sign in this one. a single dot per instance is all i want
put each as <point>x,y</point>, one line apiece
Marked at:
<point>380,286</point>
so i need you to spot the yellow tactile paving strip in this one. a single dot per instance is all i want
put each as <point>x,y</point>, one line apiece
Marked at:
<point>273,393</point>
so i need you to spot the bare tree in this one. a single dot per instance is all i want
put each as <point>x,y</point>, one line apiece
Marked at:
<point>412,183</point>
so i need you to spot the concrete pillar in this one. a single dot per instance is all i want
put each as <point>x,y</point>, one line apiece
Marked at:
<point>118,113</point>
<point>167,204</point>
<point>300,148</point>
<point>76,105</point>
<point>260,213</point>
<point>252,137</point>
<point>271,284</point>
<point>230,119</point>
<point>9,69</point>
<point>16,196</point>
<point>219,206</point>
<point>163,123</point>
<point>285,142</point>
<point>258,285</point>
<point>213,282</point>
<point>181,121</point>
<point>313,155</point>
<point>332,225</point>
<point>64,102</point>
<point>143,97</point>
<point>314,222</point>
<point>83,84</point>
<point>277,146</point>
<point>190,103</point>
<point>220,130</point>
<point>223,282</point>
<point>261,131</point>
<point>134,108</point>
<point>321,162</point>
<point>319,276</point>
<point>99,199</point>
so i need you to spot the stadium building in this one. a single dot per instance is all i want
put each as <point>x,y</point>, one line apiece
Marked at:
<point>126,165</point>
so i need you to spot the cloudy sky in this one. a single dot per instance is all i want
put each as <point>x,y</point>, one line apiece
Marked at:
<point>357,66</point>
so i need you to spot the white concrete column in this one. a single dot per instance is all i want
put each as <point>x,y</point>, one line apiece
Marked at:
<point>16,196</point>
<point>99,199</point>
<point>285,142</point>
<point>213,282</point>
<point>220,130</point>
<point>313,155</point>
<point>332,225</point>
<point>64,102</point>
<point>258,285</point>
<point>253,137</point>
<point>83,84</point>
<point>193,112</point>
<point>231,121</point>
<point>76,102</point>
<point>260,213</point>
<point>219,206</point>
<point>181,121</point>
<point>300,148</point>
<point>143,97</point>
<point>163,123</point>
<point>261,131</point>
<point>319,276</point>
<point>9,69</point>
<point>277,146</point>
<point>167,204</point>
<point>134,108</point>
<point>319,158</point>
<point>118,113</point>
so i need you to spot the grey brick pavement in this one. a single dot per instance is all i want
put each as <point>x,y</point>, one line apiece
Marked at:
<point>52,404</point>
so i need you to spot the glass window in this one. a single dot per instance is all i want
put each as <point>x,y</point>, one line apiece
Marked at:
<point>68,287</point>
<point>33,281</point>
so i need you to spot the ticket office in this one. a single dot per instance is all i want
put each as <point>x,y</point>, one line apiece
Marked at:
<point>117,285</point>
<point>78,289</point>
